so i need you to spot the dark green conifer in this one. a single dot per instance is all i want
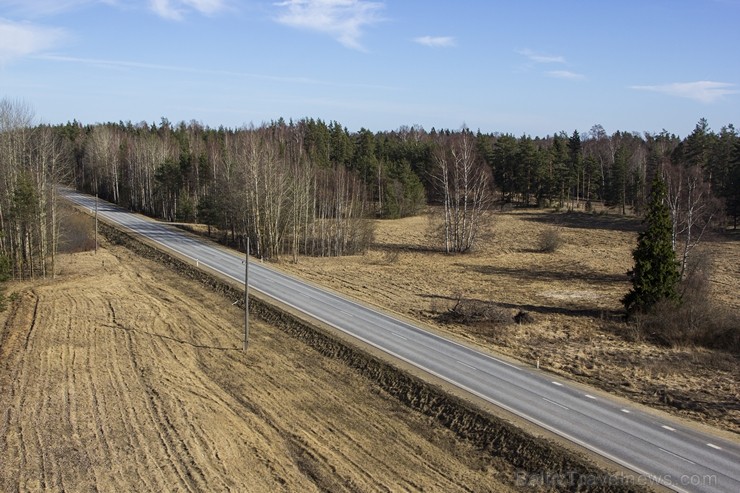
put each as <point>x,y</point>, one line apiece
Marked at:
<point>655,275</point>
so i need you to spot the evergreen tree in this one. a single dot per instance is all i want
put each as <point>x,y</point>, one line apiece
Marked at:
<point>505,166</point>
<point>655,275</point>
<point>733,186</point>
<point>575,171</point>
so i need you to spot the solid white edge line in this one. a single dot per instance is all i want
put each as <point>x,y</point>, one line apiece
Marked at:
<point>555,403</point>
<point>431,334</point>
<point>465,364</point>
<point>677,456</point>
<point>516,412</point>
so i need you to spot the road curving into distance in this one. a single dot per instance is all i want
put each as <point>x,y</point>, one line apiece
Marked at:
<point>652,445</point>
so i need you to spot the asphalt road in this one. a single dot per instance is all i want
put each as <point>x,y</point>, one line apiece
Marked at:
<point>651,445</point>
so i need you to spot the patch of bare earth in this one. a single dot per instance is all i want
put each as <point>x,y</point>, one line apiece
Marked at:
<point>120,375</point>
<point>573,295</point>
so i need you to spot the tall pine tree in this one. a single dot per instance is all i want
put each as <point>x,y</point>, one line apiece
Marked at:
<point>655,275</point>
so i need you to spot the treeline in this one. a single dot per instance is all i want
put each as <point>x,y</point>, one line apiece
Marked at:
<point>307,187</point>
<point>33,159</point>
<point>280,185</point>
<point>578,169</point>
<point>190,172</point>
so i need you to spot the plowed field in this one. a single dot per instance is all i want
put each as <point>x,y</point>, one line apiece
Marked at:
<point>121,376</point>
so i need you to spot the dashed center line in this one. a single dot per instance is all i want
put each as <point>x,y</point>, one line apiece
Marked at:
<point>590,397</point>
<point>714,446</point>
<point>558,384</point>
<point>668,428</point>
<point>626,411</point>
<point>399,336</point>
<point>555,403</point>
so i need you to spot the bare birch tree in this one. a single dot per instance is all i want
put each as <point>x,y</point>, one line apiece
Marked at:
<point>29,172</point>
<point>692,207</point>
<point>465,187</point>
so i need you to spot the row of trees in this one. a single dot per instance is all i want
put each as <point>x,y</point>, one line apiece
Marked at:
<point>307,187</point>
<point>580,168</point>
<point>400,167</point>
<point>172,172</point>
<point>253,182</point>
<point>32,162</point>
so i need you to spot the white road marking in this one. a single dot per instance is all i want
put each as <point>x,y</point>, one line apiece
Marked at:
<point>500,361</point>
<point>676,455</point>
<point>714,446</point>
<point>450,380</point>
<point>553,402</point>
<point>590,397</point>
<point>626,411</point>
<point>668,428</point>
<point>558,384</point>
<point>465,364</point>
<point>399,336</point>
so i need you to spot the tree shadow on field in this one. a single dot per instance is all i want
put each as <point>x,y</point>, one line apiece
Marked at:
<point>585,220</point>
<point>541,309</point>
<point>406,247</point>
<point>118,326</point>
<point>532,273</point>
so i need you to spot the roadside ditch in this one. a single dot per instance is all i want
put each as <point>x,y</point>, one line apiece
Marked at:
<point>542,464</point>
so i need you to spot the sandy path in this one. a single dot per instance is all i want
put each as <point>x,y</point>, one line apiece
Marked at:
<point>119,376</point>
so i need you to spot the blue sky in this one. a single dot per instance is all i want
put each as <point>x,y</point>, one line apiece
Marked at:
<point>525,66</point>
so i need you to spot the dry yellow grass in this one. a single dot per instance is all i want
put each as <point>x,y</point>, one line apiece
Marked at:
<point>121,375</point>
<point>573,294</point>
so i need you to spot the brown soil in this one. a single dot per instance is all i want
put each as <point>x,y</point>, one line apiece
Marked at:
<point>122,376</point>
<point>572,294</point>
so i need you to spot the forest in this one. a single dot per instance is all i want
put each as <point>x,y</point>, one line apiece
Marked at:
<point>308,187</point>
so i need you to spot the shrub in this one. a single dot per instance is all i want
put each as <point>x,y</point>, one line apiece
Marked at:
<point>549,241</point>
<point>695,319</point>
<point>5,274</point>
<point>77,233</point>
<point>5,271</point>
<point>468,311</point>
<point>523,318</point>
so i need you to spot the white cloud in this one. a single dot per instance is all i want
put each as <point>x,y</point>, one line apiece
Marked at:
<point>704,91</point>
<point>176,9</point>
<point>22,39</point>
<point>435,41</point>
<point>540,58</point>
<point>341,19</point>
<point>565,74</point>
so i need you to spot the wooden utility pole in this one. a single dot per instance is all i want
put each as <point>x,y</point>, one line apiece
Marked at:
<point>246,298</point>
<point>96,223</point>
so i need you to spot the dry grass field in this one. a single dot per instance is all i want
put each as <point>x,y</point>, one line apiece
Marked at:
<point>573,295</point>
<point>120,375</point>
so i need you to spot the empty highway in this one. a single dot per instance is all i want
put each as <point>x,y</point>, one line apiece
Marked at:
<point>652,445</point>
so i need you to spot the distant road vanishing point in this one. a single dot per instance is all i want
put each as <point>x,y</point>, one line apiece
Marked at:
<point>651,444</point>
